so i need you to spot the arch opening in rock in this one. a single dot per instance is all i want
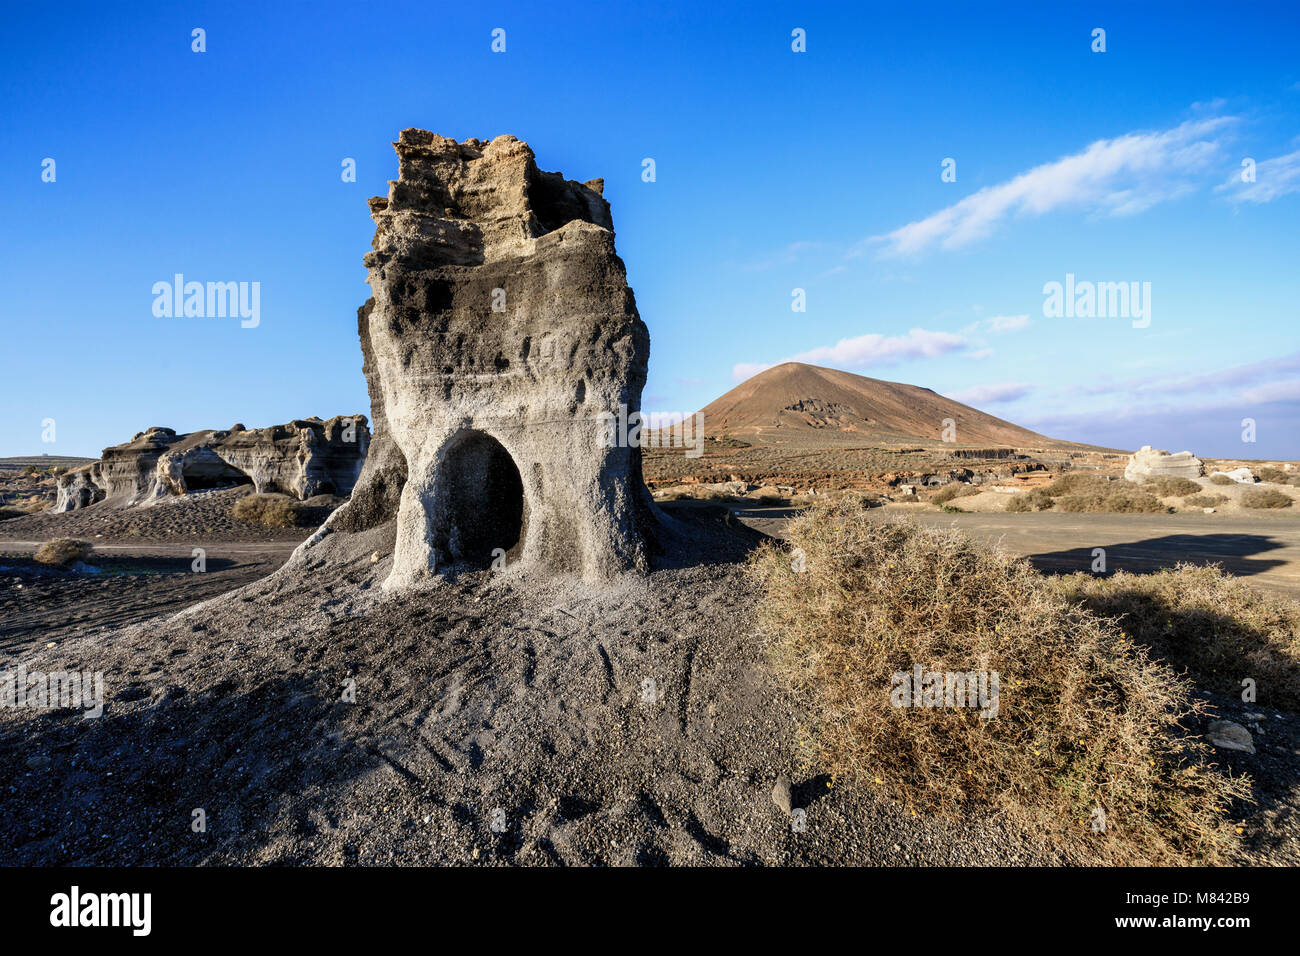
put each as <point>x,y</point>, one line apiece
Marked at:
<point>203,469</point>
<point>481,496</point>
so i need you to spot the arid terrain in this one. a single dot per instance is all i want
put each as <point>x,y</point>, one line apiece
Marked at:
<point>478,695</point>
<point>497,719</point>
<point>491,632</point>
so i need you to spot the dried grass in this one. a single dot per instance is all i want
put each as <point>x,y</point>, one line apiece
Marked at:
<point>1086,717</point>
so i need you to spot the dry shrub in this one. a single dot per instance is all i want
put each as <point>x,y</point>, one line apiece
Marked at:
<point>1221,480</point>
<point>1036,500</point>
<point>1120,501</point>
<point>1276,475</point>
<point>1211,626</point>
<point>1205,501</point>
<point>1166,486</point>
<point>1266,498</point>
<point>63,551</point>
<point>1089,493</point>
<point>271,511</point>
<point>1080,482</point>
<point>1086,717</point>
<point>953,490</point>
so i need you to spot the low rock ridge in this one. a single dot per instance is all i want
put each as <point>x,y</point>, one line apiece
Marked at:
<point>303,458</point>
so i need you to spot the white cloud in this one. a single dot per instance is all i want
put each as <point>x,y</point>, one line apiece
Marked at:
<point>868,350</point>
<point>1272,392</point>
<point>990,394</point>
<point>1120,176</point>
<point>1006,323</point>
<point>1274,178</point>
<point>1171,405</point>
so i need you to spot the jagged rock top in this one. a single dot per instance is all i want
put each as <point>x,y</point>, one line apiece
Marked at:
<point>474,202</point>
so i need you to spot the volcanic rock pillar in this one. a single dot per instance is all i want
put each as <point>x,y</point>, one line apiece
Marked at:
<point>502,336</point>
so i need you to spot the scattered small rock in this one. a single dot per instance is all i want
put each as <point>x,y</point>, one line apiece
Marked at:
<point>1227,735</point>
<point>781,794</point>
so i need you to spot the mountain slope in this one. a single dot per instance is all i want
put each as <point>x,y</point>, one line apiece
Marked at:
<point>798,404</point>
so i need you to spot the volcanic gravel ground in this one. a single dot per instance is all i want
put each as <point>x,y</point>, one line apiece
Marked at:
<point>496,719</point>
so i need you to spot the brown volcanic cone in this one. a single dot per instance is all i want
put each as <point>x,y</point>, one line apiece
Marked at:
<point>801,404</point>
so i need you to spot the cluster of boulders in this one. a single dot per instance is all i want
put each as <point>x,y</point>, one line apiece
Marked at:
<point>303,458</point>
<point>1242,476</point>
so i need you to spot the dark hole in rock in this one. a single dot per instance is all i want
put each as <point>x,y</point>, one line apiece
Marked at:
<point>204,470</point>
<point>204,482</point>
<point>484,499</point>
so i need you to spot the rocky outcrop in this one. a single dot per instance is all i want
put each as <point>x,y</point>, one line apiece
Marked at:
<point>303,458</point>
<point>1150,462</point>
<point>500,339</point>
<point>80,487</point>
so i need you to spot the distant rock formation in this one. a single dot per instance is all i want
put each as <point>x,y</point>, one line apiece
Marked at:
<point>303,458</point>
<point>500,331</point>
<point>1148,462</point>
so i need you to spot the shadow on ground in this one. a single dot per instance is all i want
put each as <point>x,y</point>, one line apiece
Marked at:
<point>1234,551</point>
<point>123,789</point>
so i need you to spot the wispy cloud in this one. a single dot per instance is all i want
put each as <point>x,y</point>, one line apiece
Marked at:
<point>1283,369</point>
<point>1272,392</point>
<point>865,351</point>
<point>1006,323</point>
<point>1170,404</point>
<point>1118,177</point>
<point>991,394</point>
<point>786,255</point>
<point>1274,178</point>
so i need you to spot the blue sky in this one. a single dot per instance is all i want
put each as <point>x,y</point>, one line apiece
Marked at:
<point>775,170</point>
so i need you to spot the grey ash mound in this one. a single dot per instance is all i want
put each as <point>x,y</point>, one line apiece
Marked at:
<point>473,694</point>
<point>397,694</point>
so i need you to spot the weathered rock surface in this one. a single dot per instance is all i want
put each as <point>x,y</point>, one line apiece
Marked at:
<point>501,328</point>
<point>303,458</point>
<point>1148,462</point>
